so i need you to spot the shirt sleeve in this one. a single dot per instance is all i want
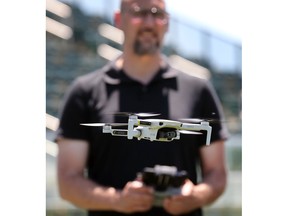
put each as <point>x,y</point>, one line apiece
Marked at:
<point>212,109</point>
<point>73,113</point>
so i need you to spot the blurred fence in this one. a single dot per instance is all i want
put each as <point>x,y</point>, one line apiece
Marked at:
<point>83,43</point>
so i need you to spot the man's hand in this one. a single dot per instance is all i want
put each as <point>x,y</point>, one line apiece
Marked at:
<point>213,184</point>
<point>182,203</point>
<point>135,197</point>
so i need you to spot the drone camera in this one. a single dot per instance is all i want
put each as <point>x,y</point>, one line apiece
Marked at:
<point>167,133</point>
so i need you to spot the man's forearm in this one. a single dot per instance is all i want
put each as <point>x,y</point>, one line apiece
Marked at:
<point>211,188</point>
<point>86,194</point>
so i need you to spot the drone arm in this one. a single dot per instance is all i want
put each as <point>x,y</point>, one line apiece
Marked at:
<point>199,127</point>
<point>120,132</point>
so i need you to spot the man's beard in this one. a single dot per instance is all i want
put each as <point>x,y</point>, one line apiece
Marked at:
<point>148,48</point>
<point>140,49</point>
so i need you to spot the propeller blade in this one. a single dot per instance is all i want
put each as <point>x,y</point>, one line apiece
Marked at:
<point>192,120</point>
<point>147,114</point>
<point>198,120</point>
<point>94,124</point>
<point>104,124</point>
<point>190,132</point>
<point>137,114</point>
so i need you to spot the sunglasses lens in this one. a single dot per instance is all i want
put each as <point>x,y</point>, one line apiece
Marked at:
<point>156,13</point>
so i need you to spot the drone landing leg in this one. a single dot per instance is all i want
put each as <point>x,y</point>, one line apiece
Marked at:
<point>198,127</point>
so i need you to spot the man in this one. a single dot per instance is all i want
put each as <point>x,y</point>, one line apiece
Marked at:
<point>140,80</point>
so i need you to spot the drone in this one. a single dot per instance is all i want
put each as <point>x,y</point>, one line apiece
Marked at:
<point>154,129</point>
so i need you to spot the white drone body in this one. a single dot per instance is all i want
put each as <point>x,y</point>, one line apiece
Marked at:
<point>155,129</point>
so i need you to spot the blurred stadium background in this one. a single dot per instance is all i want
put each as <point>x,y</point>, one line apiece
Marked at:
<point>78,42</point>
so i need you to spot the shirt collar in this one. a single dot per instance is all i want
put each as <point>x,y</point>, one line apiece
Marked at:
<point>115,75</point>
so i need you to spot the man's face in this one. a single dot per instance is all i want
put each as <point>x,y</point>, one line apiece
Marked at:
<point>144,24</point>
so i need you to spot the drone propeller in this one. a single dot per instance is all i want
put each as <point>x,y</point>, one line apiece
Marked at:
<point>137,114</point>
<point>198,120</point>
<point>190,132</point>
<point>104,124</point>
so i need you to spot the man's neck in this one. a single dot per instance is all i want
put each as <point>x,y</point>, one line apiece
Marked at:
<point>140,68</point>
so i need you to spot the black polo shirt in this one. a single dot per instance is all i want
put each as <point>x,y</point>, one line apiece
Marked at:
<point>113,161</point>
